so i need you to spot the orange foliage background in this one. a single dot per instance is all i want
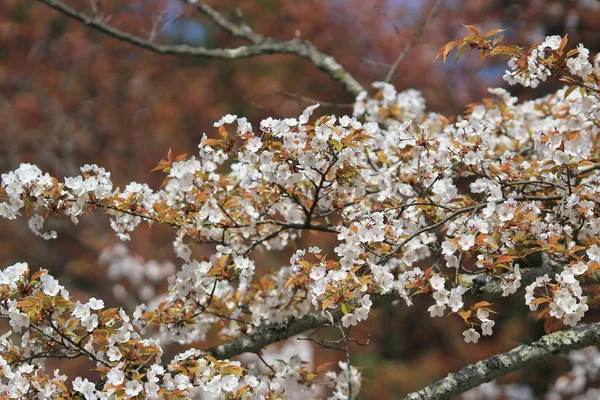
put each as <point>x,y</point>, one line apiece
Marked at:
<point>71,96</point>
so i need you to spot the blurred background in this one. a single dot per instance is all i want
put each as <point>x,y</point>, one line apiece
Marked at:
<point>70,96</point>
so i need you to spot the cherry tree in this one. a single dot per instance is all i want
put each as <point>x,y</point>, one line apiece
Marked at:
<point>501,201</point>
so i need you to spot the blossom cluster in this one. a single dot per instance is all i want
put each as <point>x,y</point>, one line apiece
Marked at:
<point>566,299</point>
<point>537,64</point>
<point>417,205</point>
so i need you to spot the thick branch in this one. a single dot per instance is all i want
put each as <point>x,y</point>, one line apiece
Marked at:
<point>502,364</point>
<point>262,46</point>
<point>272,333</point>
<point>269,334</point>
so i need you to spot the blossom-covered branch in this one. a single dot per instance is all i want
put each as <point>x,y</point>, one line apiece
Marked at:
<point>479,287</point>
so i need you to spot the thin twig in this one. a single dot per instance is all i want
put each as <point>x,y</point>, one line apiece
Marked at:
<point>455,214</point>
<point>414,40</point>
<point>311,100</point>
<point>242,30</point>
<point>266,363</point>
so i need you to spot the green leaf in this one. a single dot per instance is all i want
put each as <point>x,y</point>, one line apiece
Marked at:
<point>338,146</point>
<point>569,91</point>
<point>345,308</point>
<point>459,53</point>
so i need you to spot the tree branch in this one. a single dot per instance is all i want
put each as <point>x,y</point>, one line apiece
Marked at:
<point>502,364</point>
<point>272,333</point>
<point>261,45</point>
<point>414,40</point>
<point>243,31</point>
<point>385,258</point>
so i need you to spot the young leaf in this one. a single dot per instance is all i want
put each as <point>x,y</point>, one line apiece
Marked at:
<point>472,29</point>
<point>493,32</point>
